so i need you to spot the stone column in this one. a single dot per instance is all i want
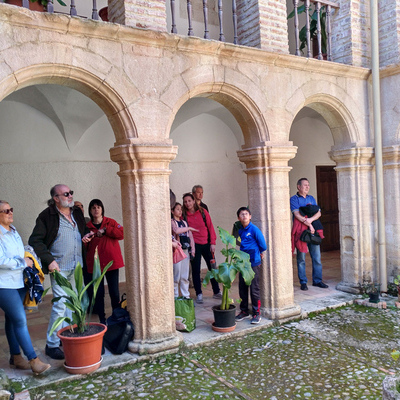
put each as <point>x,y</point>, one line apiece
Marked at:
<point>268,190</point>
<point>144,177</point>
<point>391,171</point>
<point>263,24</point>
<point>357,216</point>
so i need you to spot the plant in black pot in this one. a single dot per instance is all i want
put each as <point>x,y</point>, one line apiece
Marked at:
<point>371,289</point>
<point>236,261</point>
<point>81,340</point>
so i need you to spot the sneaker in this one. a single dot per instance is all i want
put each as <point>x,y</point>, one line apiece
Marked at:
<point>217,296</point>
<point>55,353</point>
<point>303,286</point>
<point>321,285</point>
<point>241,316</point>
<point>199,298</point>
<point>256,319</point>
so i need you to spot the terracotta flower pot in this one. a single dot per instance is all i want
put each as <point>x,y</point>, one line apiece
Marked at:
<point>82,353</point>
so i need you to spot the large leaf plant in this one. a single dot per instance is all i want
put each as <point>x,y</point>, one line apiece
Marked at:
<point>235,261</point>
<point>77,300</point>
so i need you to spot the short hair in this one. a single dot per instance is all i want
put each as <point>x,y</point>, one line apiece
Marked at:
<point>4,202</point>
<point>300,180</point>
<point>243,209</point>
<point>53,192</point>
<point>96,202</point>
<point>195,187</point>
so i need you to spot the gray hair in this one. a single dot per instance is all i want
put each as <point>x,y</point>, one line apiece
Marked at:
<point>4,202</point>
<point>195,187</point>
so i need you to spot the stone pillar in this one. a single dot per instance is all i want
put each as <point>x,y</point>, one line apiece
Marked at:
<point>150,14</point>
<point>357,216</point>
<point>263,24</point>
<point>144,177</point>
<point>268,190</point>
<point>351,41</point>
<point>391,171</point>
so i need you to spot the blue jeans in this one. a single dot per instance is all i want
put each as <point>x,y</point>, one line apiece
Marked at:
<point>59,308</point>
<point>315,253</point>
<point>16,326</point>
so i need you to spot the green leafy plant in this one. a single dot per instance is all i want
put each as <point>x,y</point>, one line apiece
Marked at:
<point>313,15</point>
<point>396,281</point>
<point>77,300</point>
<point>235,261</point>
<point>370,287</point>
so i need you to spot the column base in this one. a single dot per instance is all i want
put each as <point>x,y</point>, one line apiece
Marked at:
<point>155,346</point>
<point>348,288</point>
<point>285,313</point>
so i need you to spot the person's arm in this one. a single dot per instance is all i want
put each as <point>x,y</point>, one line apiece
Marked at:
<point>211,230</point>
<point>192,244</point>
<point>178,230</point>
<point>113,230</point>
<point>15,262</point>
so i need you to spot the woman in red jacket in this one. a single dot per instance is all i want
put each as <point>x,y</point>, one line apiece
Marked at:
<point>204,238</point>
<point>106,234</point>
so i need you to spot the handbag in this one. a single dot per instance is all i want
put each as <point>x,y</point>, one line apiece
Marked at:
<point>119,332</point>
<point>178,255</point>
<point>313,238</point>
<point>184,314</point>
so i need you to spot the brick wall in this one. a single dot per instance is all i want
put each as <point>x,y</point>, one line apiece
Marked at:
<point>263,24</point>
<point>389,24</point>
<point>351,33</point>
<point>150,14</point>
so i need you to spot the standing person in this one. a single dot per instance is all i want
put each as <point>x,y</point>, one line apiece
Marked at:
<point>204,238</point>
<point>57,240</point>
<point>80,205</point>
<point>302,199</point>
<point>106,232</point>
<point>197,192</point>
<point>182,231</point>
<point>12,293</point>
<point>252,243</point>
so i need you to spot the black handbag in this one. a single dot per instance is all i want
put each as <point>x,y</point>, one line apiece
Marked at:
<point>308,237</point>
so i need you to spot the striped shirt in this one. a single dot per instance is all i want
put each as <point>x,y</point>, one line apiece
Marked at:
<point>67,247</point>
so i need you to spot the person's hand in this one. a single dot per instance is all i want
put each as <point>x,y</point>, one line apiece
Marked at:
<point>193,229</point>
<point>312,230</point>
<point>88,237</point>
<point>175,244</point>
<point>29,262</point>
<point>53,266</point>
<point>262,256</point>
<point>212,248</point>
<point>100,232</point>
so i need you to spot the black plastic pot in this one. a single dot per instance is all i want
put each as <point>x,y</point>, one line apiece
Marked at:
<point>224,318</point>
<point>374,297</point>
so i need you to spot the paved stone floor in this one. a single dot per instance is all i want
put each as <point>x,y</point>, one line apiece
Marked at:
<point>343,353</point>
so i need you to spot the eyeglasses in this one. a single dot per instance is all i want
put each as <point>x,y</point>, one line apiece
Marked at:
<point>66,194</point>
<point>10,210</point>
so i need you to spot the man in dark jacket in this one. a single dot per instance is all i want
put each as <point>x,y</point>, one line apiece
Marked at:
<point>57,240</point>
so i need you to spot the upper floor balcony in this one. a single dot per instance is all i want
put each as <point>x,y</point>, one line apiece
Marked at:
<point>335,30</point>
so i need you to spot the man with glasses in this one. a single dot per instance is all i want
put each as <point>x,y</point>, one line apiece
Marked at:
<point>57,240</point>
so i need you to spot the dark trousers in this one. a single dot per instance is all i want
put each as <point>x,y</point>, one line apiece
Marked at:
<point>205,251</point>
<point>113,290</point>
<point>254,293</point>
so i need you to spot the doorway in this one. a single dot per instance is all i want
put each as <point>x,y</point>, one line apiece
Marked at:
<point>327,198</point>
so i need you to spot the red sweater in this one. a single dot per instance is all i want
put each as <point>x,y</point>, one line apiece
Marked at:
<point>108,246</point>
<point>196,221</point>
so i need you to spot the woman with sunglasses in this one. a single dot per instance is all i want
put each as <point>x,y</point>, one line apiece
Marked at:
<point>106,233</point>
<point>204,238</point>
<point>12,293</point>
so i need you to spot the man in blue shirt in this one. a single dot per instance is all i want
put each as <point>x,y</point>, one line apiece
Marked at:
<point>302,199</point>
<point>252,243</point>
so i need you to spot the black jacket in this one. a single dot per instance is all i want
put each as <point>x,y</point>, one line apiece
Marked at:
<point>45,232</point>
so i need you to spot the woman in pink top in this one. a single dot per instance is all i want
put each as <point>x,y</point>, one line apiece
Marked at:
<point>204,238</point>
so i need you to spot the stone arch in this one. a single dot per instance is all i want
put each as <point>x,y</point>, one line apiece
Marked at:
<point>337,116</point>
<point>246,112</point>
<point>83,81</point>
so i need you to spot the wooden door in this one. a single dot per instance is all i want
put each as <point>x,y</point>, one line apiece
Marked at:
<point>327,198</point>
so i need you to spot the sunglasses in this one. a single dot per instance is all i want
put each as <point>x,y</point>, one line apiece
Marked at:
<point>10,210</point>
<point>66,194</point>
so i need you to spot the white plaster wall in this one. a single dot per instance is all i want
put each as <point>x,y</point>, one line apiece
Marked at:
<point>207,156</point>
<point>312,136</point>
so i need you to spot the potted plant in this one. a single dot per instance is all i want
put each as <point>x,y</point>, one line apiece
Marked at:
<point>371,289</point>
<point>313,15</point>
<point>235,261</point>
<point>81,340</point>
<point>396,281</point>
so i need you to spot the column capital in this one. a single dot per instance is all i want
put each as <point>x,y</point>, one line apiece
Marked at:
<point>354,157</point>
<point>143,158</point>
<point>261,158</point>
